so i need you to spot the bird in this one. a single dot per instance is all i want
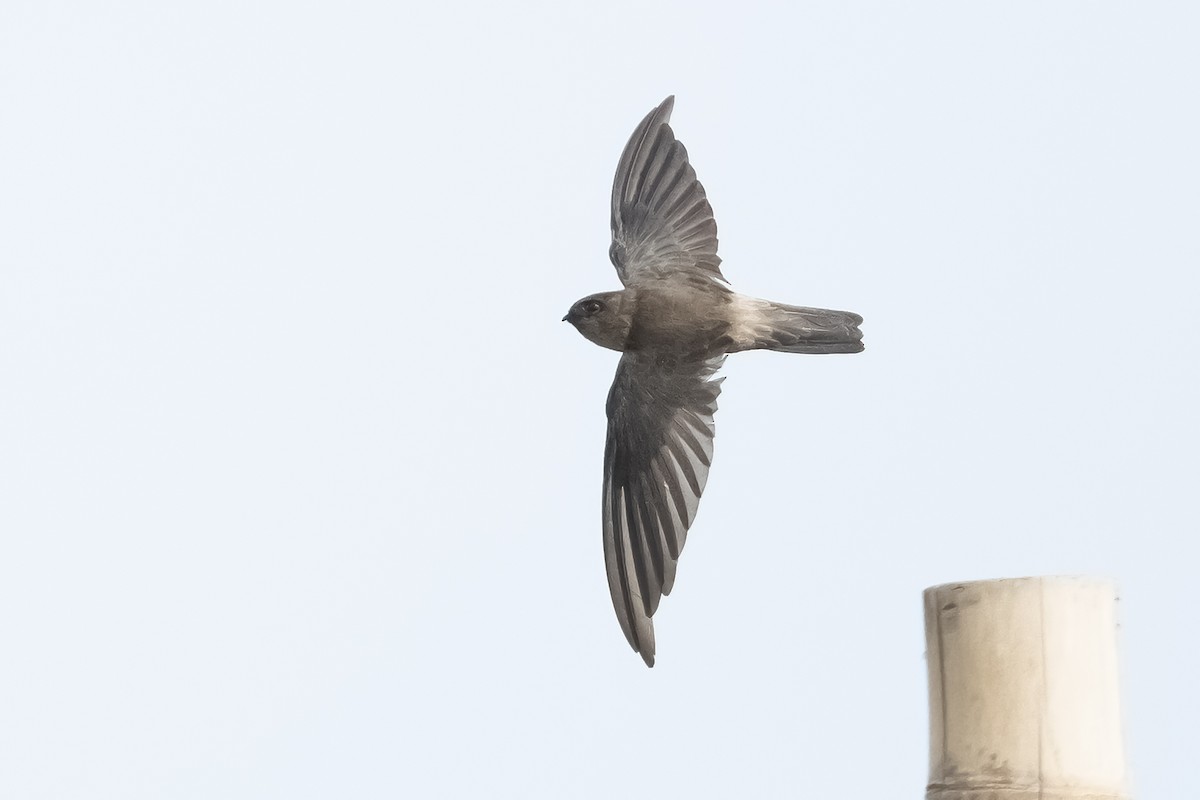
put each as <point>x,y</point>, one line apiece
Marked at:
<point>674,322</point>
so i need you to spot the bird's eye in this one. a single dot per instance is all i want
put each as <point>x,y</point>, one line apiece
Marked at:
<point>590,307</point>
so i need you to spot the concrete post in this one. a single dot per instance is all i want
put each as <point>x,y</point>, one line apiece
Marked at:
<point>1024,700</point>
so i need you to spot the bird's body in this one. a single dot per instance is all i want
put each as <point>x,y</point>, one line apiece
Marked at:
<point>668,317</point>
<point>675,321</point>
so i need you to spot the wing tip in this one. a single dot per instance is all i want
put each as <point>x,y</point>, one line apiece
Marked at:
<point>666,107</point>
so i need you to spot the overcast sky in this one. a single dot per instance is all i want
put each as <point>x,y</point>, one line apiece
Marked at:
<point>300,470</point>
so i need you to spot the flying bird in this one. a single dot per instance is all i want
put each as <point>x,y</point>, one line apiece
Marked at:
<point>674,323</point>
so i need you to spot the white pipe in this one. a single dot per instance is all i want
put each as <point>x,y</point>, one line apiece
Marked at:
<point>1024,697</point>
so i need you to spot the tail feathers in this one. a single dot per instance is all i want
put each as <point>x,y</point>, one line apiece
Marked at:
<point>795,329</point>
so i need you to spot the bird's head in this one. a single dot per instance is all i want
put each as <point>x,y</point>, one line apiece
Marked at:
<point>598,317</point>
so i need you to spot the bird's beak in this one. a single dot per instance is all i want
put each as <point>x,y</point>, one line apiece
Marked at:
<point>565,316</point>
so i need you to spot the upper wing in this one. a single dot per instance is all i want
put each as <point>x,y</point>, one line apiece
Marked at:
<point>656,459</point>
<point>661,221</point>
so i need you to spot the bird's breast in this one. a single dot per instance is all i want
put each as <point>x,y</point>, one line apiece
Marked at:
<point>682,321</point>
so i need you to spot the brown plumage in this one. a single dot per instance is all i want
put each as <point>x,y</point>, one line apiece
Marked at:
<point>675,321</point>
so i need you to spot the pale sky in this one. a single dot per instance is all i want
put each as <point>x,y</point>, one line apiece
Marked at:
<point>300,470</point>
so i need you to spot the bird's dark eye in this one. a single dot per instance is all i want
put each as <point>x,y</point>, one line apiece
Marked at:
<point>590,307</point>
